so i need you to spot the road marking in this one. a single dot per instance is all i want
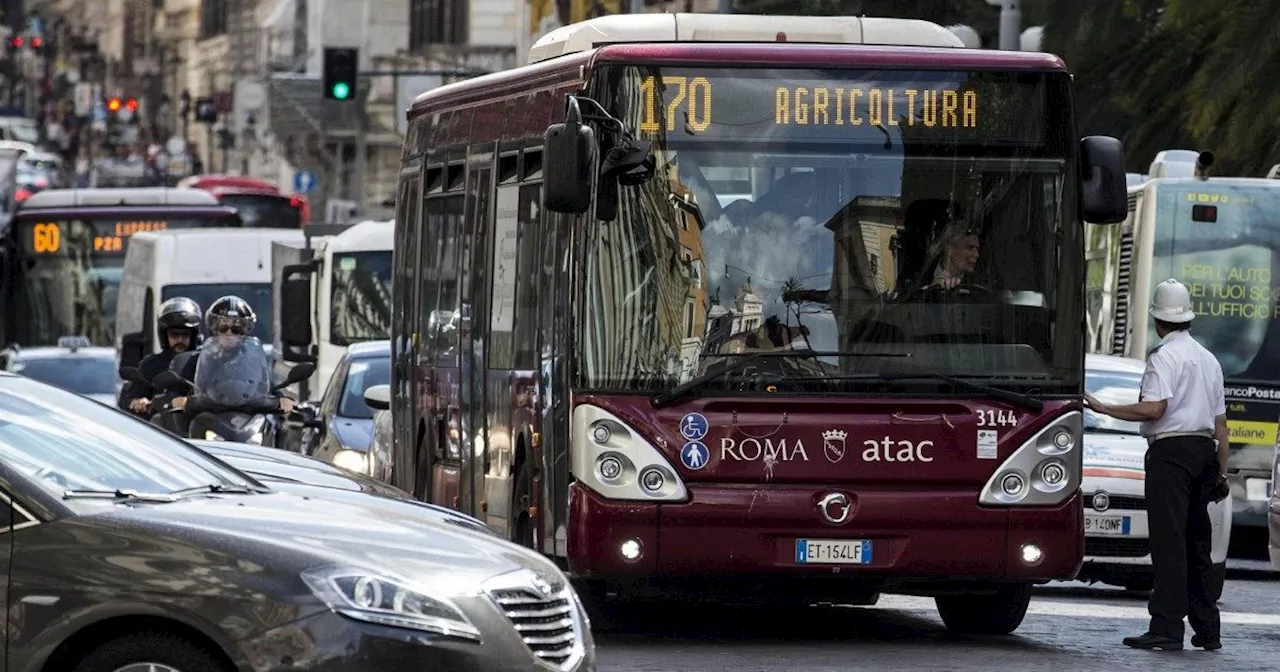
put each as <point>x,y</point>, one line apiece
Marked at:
<point>1042,607</point>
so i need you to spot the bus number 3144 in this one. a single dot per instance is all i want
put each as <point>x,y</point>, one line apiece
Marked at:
<point>694,94</point>
<point>990,417</point>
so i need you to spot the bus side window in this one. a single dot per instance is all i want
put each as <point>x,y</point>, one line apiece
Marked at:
<point>527,272</point>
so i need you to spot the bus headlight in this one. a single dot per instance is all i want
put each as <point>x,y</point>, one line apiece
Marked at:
<point>1044,471</point>
<point>614,460</point>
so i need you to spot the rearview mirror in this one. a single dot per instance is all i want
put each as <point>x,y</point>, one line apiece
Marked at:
<point>133,347</point>
<point>1104,197</point>
<point>168,380</point>
<point>378,397</point>
<point>297,374</point>
<point>132,375</point>
<point>295,312</point>
<point>568,150</point>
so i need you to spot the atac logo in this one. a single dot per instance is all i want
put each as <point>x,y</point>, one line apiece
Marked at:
<point>833,444</point>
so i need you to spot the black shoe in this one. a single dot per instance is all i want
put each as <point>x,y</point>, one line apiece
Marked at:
<point>1206,643</point>
<point>1153,641</point>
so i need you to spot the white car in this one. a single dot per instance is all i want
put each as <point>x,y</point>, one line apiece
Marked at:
<point>1115,523</point>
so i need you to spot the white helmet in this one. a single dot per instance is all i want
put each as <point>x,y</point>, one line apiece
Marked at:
<point>1172,302</point>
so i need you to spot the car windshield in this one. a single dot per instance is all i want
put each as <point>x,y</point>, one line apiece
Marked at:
<point>846,222</point>
<point>65,441</point>
<point>1112,387</point>
<point>75,373</point>
<point>364,374</point>
<point>360,300</point>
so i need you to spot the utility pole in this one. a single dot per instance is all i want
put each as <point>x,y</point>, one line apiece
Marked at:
<point>1010,23</point>
<point>362,144</point>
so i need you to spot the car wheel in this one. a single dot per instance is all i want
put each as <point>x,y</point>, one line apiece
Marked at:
<point>150,652</point>
<point>998,613</point>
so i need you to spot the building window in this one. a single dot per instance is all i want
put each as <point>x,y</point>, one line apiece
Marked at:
<point>213,18</point>
<point>688,319</point>
<point>437,22</point>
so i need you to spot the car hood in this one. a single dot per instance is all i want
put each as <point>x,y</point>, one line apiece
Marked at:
<point>295,532</point>
<point>352,433</point>
<point>1114,462</point>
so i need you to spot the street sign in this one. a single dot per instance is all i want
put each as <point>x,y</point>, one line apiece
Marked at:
<point>304,181</point>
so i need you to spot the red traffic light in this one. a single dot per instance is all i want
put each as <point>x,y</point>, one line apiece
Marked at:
<point>113,104</point>
<point>16,41</point>
<point>132,104</point>
<point>36,43</point>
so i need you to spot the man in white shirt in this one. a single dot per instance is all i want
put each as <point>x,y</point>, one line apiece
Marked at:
<point>1183,412</point>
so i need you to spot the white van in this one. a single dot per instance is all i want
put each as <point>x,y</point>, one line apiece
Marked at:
<point>200,264</point>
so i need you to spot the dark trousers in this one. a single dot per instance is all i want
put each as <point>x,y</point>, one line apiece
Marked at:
<point>1181,472</point>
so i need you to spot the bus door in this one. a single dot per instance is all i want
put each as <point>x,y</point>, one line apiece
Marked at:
<point>475,326</point>
<point>408,341</point>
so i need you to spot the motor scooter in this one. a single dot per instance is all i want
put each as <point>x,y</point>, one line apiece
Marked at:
<point>254,421</point>
<point>163,414</point>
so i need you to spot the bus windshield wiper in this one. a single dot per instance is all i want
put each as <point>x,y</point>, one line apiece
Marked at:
<point>119,495</point>
<point>665,398</point>
<point>1015,398</point>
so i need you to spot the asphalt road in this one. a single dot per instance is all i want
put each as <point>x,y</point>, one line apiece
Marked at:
<point>1069,626</point>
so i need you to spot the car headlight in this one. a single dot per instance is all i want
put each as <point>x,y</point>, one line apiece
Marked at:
<point>352,460</point>
<point>375,598</point>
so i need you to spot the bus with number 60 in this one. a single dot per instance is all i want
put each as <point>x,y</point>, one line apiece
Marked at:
<point>755,307</point>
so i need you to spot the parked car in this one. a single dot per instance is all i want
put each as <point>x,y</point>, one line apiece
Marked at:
<point>1117,550</point>
<point>342,432</point>
<point>129,549</point>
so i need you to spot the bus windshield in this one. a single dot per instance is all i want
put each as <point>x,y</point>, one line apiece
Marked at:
<point>68,275</point>
<point>361,297</point>
<point>846,222</point>
<point>1219,238</point>
<point>264,211</point>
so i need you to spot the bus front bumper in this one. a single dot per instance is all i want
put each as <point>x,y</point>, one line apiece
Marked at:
<point>745,530</point>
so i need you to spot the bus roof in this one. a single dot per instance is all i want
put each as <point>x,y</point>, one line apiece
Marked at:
<point>682,27</point>
<point>72,198</point>
<point>549,73</point>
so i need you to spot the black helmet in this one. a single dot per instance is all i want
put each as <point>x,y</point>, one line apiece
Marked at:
<point>178,313</point>
<point>233,312</point>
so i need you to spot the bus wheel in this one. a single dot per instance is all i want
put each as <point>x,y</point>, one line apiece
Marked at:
<point>521,499</point>
<point>999,613</point>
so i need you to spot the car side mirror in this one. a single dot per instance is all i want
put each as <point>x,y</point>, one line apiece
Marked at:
<point>378,397</point>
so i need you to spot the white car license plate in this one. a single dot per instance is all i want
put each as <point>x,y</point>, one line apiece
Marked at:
<point>1108,525</point>
<point>1258,489</point>
<point>833,551</point>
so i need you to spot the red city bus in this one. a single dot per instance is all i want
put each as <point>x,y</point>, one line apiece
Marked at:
<point>260,203</point>
<point>666,310</point>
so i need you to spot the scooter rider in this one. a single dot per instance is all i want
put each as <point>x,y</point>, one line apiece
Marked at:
<point>230,320</point>
<point>179,327</point>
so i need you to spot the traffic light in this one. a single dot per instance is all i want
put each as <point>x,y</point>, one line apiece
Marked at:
<point>37,43</point>
<point>340,72</point>
<point>113,104</point>
<point>131,104</point>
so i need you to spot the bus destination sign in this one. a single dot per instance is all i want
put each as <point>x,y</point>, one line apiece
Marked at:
<point>856,106</point>
<point>95,237</point>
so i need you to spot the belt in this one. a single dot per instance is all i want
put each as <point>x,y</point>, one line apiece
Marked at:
<point>1203,433</point>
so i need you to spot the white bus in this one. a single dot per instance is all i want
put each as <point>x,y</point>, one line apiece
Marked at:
<point>1219,236</point>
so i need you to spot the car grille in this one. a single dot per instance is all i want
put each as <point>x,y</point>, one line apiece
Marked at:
<point>547,621</point>
<point>1119,547</point>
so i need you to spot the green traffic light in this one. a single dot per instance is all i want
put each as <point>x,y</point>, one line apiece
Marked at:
<point>341,91</point>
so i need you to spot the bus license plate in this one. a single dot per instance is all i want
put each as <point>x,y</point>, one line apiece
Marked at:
<point>1109,525</point>
<point>833,551</point>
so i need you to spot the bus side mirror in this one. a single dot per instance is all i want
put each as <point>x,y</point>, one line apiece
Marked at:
<point>133,348</point>
<point>568,150</point>
<point>1104,196</point>
<point>295,312</point>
